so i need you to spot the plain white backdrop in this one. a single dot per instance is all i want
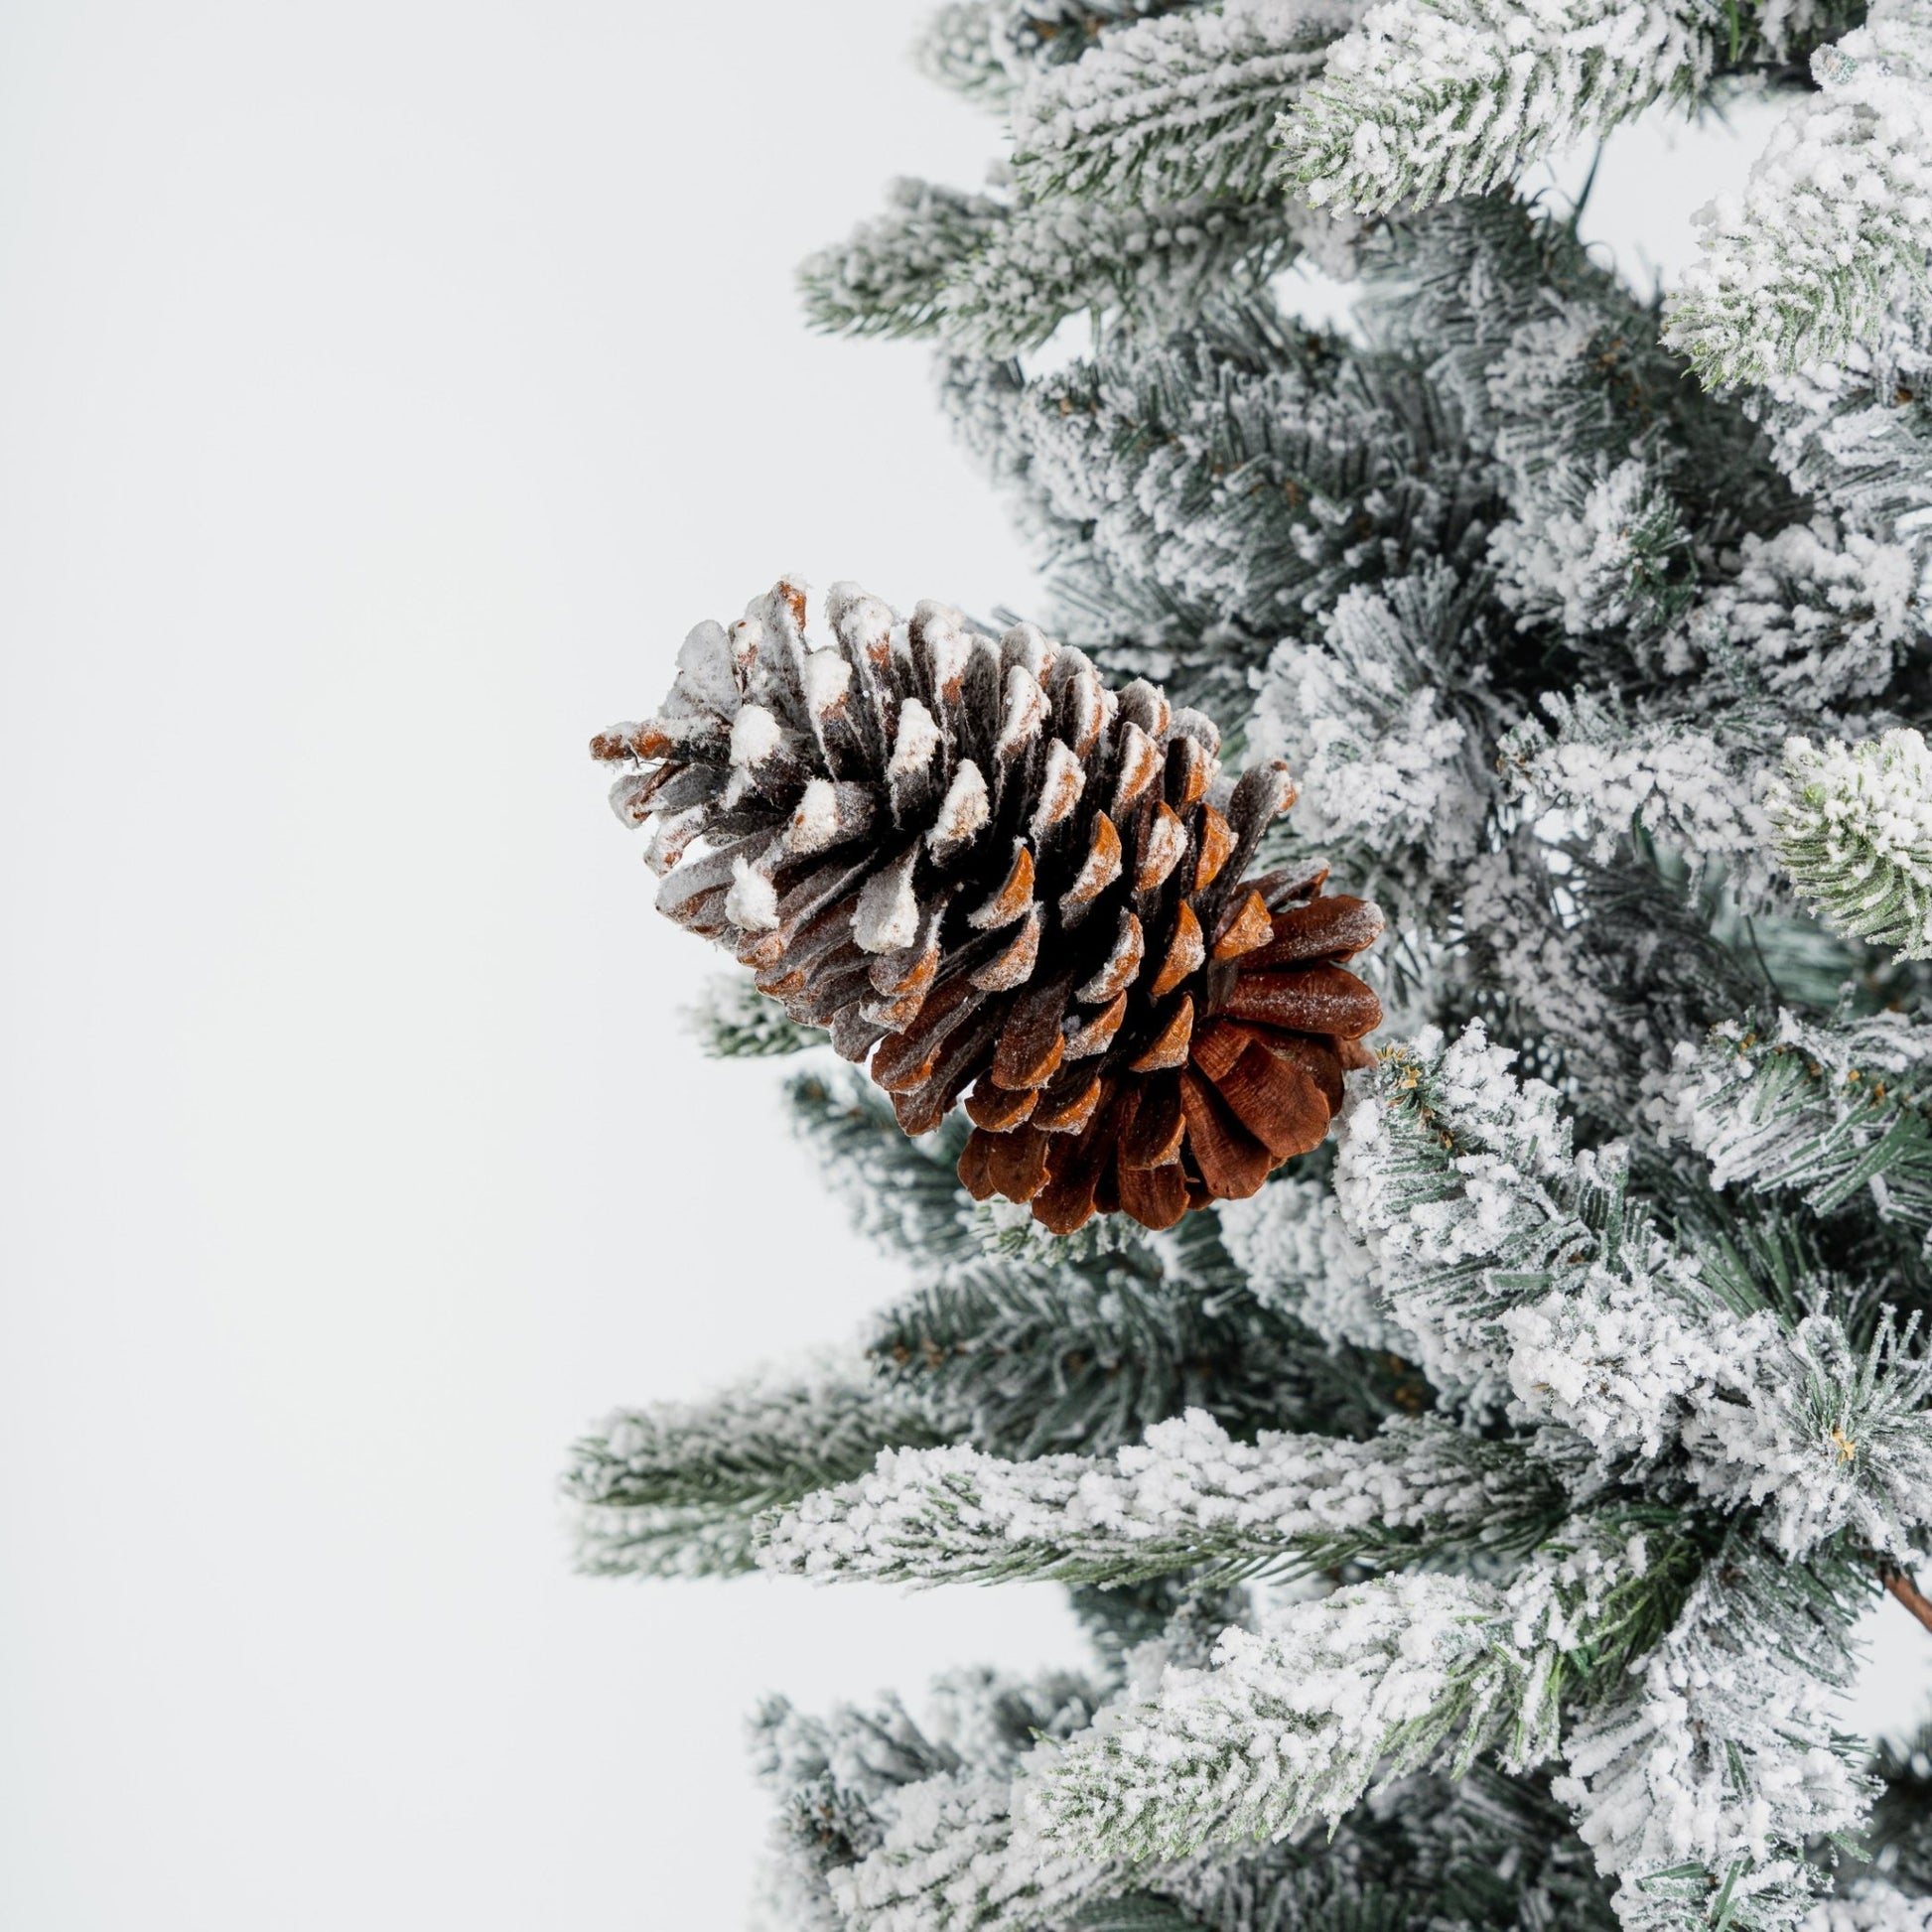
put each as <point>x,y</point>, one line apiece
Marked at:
<point>384,391</point>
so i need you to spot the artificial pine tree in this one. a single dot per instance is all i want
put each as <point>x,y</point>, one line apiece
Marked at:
<point>1473,1503</point>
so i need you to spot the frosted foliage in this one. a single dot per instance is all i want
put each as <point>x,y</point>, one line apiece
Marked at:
<point>1186,1495</point>
<point>940,1854</point>
<point>1817,1111</point>
<point>1433,1215</point>
<point>1548,1429</point>
<point>901,1193</point>
<point>1586,563</point>
<point>889,275</point>
<point>1853,826</point>
<point>1829,1112</point>
<point>1724,1761</point>
<point>1790,1424</point>
<point>1288,1723</point>
<point>1596,544</point>
<point>1614,1358</point>
<point>1506,900</point>
<point>1197,497</point>
<point>1405,782</point>
<point>1534,363</point>
<point>1872,1905</point>
<point>1424,102</point>
<point>1153,265</point>
<point>785,1898</point>
<point>1566,1598</point>
<point>950,1861</point>
<point>829,1776</point>
<point>960,48</point>
<point>1825,1436</point>
<point>1853,434</point>
<point>663,1540</point>
<point>1678,782</point>
<point>1522,1267</point>
<point>1175,106</point>
<point>998,274</point>
<point>733,1019</point>
<point>986,49</point>
<point>1361,1687</point>
<point>1368,731</point>
<point>986,407</point>
<point>1823,615</point>
<point>1118,489</point>
<point>1718,1767</point>
<point>1834,224</point>
<point>885,1822</point>
<point>990,1719</point>
<point>672,1490</point>
<point>1289,1243</point>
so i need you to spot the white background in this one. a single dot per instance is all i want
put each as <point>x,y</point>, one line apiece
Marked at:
<point>384,391</point>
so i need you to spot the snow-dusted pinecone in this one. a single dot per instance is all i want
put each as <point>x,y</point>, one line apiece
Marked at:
<point>978,865</point>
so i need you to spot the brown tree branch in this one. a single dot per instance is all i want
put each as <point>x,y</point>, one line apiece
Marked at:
<point>1907,1592</point>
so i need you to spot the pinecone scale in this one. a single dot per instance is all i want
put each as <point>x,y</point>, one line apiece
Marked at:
<point>991,877</point>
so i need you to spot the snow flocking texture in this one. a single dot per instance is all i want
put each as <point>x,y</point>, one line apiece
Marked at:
<point>1564,1415</point>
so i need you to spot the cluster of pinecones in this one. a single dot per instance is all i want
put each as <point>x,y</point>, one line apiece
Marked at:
<point>989,875</point>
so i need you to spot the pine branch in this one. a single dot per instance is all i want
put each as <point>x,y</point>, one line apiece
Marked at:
<point>1736,1692</point>
<point>1853,827</point>
<point>734,1020</point>
<point>1086,1351</point>
<point>890,276</point>
<point>1856,436</point>
<point>673,1490</point>
<point>1665,1315</point>
<point>960,48</point>
<point>1288,1243</point>
<point>1424,102</point>
<point>952,1861</point>
<point>903,1192</point>
<point>1486,1850</point>
<point>1136,1912</point>
<point>1466,1179</point>
<point>1612,553</point>
<point>994,277</point>
<point>1362,1687</point>
<point>1287,466</point>
<point>1390,739</point>
<point>1368,1685</point>
<point>1835,226</point>
<point>1178,1612</point>
<point>887,1825</point>
<point>1553,364</point>
<point>1246,1749</point>
<point>1172,108</point>
<point>988,49</point>
<point>1520,1265</point>
<point>1812,616</point>
<point>1691,788</point>
<point>1649,954</point>
<point>1815,616</point>
<point>1829,1113</point>
<point>1822,615</point>
<point>1186,1499</point>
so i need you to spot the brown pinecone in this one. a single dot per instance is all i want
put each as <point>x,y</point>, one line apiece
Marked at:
<point>976,863</point>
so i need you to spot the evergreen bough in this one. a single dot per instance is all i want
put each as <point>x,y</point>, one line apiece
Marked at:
<point>1853,828</point>
<point>1473,1522</point>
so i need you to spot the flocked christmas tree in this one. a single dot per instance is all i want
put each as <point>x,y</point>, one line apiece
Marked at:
<point>1472,1375</point>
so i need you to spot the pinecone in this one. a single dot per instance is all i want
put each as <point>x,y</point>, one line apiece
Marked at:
<point>976,863</point>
